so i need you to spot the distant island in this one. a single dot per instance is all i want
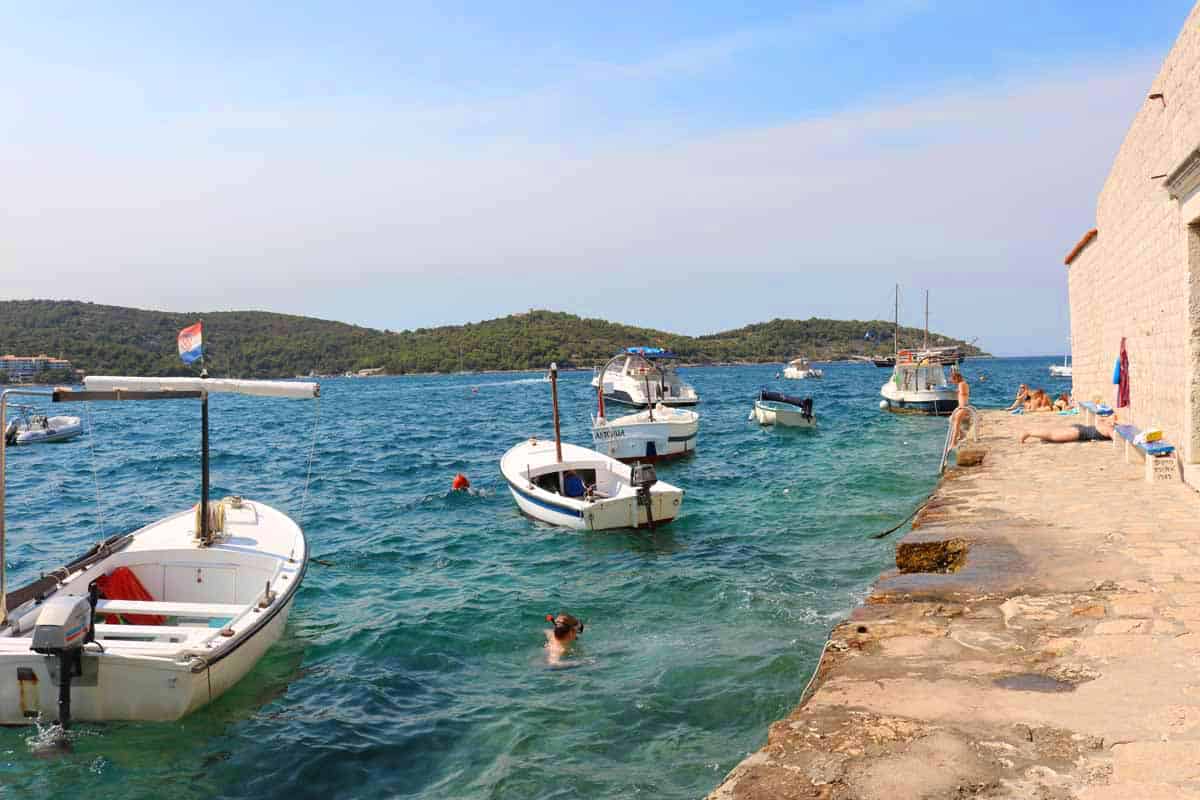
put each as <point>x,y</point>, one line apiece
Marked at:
<point>261,344</point>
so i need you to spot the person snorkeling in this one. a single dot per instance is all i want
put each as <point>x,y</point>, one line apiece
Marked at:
<point>566,630</point>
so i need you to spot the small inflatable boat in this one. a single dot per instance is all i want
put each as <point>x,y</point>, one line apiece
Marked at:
<point>38,429</point>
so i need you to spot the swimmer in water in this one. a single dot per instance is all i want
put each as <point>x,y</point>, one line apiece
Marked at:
<point>566,629</point>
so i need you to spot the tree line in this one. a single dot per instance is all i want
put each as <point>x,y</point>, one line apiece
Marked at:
<point>118,340</point>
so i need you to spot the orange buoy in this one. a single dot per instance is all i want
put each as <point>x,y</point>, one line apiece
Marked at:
<point>460,483</point>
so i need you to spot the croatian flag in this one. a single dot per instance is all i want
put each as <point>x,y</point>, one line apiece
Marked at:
<point>190,347</point>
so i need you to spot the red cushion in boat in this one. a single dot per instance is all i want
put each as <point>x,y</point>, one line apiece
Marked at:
<point>122,584</point>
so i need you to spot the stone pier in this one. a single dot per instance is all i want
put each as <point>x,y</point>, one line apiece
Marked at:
<point>1041,639</point>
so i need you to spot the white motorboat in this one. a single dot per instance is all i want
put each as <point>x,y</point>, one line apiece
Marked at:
<point>918,386</point>
<point>154,624</point>
<point>31,428</point>
<point>799,369</point>
<point>650,435</point>
<point>643,376</point>
<point>573,487</point>
<point>774,408</point>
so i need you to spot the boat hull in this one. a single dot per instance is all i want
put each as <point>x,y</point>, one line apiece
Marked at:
<point>632,439</point>
<point>121,688</point>
<point>624,399</point>
<point>771,414</point>
<point>58,431</point>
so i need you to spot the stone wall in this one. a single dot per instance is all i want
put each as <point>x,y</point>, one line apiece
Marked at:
<point>1134,280</point>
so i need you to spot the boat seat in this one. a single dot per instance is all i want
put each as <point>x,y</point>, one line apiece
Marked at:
<point>167,609</point>
<point>176,633</point>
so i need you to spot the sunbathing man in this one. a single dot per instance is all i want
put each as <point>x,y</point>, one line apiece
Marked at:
<point>1101,431</point>
<point>1038,400</point>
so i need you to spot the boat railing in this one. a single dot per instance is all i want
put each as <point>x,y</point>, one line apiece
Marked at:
<point>951,446</point>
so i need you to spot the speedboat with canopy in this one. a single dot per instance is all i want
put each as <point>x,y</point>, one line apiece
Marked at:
<point>774,408</point>
<point>29,427</point>
<point>644,376</point>
<point>799,369</point>
<point>573,487</point>
<point>153,624</point>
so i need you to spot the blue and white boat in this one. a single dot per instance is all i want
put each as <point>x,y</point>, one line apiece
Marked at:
<point>643,376</point>
<point>573,487</point>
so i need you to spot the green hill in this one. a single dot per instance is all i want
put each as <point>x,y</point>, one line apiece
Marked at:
<point>112,339</point>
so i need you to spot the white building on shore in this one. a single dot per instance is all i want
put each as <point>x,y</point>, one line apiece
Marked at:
<point>1137,274</point>
<point>22,369</point>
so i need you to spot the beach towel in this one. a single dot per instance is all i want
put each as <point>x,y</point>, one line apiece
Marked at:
<point>1123,384</point>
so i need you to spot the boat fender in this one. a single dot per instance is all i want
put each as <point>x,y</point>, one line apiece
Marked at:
<point>883,404</point>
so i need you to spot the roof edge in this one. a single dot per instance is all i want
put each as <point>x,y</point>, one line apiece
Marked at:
<point>1087,239</point>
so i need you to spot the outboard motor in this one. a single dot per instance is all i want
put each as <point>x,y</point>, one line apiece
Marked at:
<point>642,477</point>
<point>63,627</point>
<point>806,408</point>
<point>10,435</point>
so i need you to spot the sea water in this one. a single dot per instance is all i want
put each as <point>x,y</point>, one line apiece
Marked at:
<point>413,663</point>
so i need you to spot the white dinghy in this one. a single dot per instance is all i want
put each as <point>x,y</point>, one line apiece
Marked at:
<point>31,428</point>
<point>773,408</point>
<point>153,624</point>
<point>573,487</point>
<point>651,435</point>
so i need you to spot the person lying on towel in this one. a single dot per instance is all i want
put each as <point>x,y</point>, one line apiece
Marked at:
<point>1101,431</point>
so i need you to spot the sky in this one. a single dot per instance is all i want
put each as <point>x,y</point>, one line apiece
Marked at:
<point>693,166</point>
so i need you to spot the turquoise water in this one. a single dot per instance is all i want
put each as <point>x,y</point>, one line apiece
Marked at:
<point>413,665</point>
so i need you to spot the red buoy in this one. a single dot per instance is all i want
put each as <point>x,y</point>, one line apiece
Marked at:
<point>460,483</point>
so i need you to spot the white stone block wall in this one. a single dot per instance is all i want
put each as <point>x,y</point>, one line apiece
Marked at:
<point>1134,279</point>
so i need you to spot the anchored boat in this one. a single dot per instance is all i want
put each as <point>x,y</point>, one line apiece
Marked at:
<point>651,435</point>
<point>774,408</point>
<point>643,376</point>
<point>31,428</point>
<point>799,369</point>
<point>573,487</point>
<point>154,624</point>
<point>918,386</point>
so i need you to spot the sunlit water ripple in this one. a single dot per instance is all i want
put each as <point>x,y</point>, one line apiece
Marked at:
<point>413,666</point>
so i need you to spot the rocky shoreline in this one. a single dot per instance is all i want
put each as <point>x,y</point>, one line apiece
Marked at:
<point>1040,638</point>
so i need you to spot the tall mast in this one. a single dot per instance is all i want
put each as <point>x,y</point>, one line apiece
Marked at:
<point>927,320</point>
<point>554,397</point>
<point>896,338</point>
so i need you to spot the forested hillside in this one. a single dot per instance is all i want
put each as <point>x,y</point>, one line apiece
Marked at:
<point>113,339</point>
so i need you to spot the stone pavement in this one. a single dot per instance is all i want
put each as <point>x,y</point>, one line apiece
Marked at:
<point>1056,656</point>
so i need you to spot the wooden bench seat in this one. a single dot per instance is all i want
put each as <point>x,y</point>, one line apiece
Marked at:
<point>1093,410</point>
<point>1159,457</point>
<point>177,633</point>
<point>167,609</point>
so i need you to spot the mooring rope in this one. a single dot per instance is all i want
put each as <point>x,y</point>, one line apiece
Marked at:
<point>95,473</point>
<point>915,511</point>
<point>311,451</point>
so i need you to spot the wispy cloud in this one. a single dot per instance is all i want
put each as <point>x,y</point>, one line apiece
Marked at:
<point>976,191</point>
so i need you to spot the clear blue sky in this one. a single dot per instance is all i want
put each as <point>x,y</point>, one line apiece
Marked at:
<point>694,166</point>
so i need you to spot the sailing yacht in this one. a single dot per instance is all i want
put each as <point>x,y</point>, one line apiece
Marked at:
<point>918,384</point>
